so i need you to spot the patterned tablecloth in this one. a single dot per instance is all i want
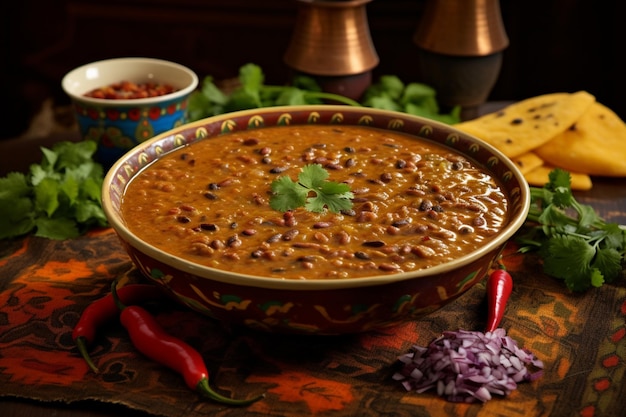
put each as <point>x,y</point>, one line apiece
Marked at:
<point>45,285</point>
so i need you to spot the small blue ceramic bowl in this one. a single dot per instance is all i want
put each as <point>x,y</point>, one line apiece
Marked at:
<point>117,125</point>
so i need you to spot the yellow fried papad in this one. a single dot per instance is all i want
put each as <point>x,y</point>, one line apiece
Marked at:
<point>527,162</point>
<point>595,144</point>
<point>538,177</point>
<point>527,124</point>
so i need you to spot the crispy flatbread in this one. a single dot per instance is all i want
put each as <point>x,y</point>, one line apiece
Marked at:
<point>527,162</point>
<point>538,177</point>
<point>527,124</point>
<point>595,144</point>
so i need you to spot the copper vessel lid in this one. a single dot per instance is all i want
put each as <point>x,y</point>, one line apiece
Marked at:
<point>462,28</point>
<point>331,38</point>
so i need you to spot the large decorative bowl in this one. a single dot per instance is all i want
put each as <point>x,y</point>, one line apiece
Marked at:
<point>119,124</point>
<point>329,306</point>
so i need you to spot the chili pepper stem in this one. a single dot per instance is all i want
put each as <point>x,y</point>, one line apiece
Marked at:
<point>205,389</point>
<point>116,299</point>
<point>81,344</point>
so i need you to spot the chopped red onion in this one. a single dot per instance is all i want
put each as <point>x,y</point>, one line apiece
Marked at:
<point>467,366</point>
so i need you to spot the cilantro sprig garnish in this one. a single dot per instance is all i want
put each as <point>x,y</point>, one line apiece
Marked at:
<point>312,191</point>
<point>574,242</point>
<point>59,198</point>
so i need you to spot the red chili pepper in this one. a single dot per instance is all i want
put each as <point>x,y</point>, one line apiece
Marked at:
<point>499,287</point>
<point>104,310</point>
<point>155,343</point>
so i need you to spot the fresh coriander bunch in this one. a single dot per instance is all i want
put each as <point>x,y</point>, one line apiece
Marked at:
<point>252,92</point>
<point>388,93</point>
<point>574,242</point>
<point>59,198</point>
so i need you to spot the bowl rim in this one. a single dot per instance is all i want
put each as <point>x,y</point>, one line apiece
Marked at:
<point>115,220</point>
<point>68,78</point>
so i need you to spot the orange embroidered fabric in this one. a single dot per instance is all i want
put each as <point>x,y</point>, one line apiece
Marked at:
<point>45,285</point>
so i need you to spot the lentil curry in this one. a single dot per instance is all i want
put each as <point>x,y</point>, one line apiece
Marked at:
<point>415,203</point>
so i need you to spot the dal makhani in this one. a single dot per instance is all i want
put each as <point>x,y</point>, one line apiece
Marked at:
<point>415,204</point>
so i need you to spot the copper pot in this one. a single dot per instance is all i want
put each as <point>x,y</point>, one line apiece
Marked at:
<point>332,42</point>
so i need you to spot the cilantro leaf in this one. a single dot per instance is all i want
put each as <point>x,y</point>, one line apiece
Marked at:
<point>58,198</point>
<point>568,257</point>
<point>291,96</point>
<point>335,196</point>
<point>209,100</point>
<point>14,185</point>
<point>47,196</point>
<point>289,195</point>
<point>383,102</point>
<point>312,176</point>
<point>212,92</point>
<point>56,228</point>
<point>73,154</point>
<point>305,82</point>
<point>609,262</point>
<point>312,190</point>
<point>16,217</point>
<point>615,237</point>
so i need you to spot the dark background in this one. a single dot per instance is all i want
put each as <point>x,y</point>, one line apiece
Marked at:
<point>555,45</point>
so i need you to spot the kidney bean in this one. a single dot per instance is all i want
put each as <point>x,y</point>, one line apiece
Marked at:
<point>361,255</point>
<point>306,245</point>
<point>218,244</point>
<point>423,251</point>
<point>374,244</point>
<point>274,238</point>
<point>392,230</point>
<point>366,217</point>
<point>321,237</point>
<point>246,159</point>
<point>414,191</point>
<point>343,237</point>
<point>322,225</point>
<point>386,177</point>
<point>279,170</point>
<point>389,267</point>
<point>251,142</point>
<point>290,234</point>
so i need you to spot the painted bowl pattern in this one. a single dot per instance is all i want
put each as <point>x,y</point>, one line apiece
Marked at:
<point>333,306</point>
